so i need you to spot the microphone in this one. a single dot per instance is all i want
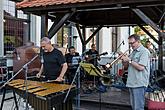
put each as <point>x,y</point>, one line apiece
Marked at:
<point>18,57</point>
<point>42,59</point>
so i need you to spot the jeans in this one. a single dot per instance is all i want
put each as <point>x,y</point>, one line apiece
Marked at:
<point>137,98</point>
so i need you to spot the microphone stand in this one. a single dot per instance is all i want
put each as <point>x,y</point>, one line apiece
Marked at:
<point>115,53</point>
<point>117,49</point>
<point>24,67</point>
<point>77,74</point>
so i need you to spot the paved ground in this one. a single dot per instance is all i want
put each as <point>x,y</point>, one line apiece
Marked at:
<point>10,105</point>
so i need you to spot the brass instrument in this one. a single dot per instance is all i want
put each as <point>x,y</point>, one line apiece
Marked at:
<point>108,80</point>
<point>109,65</point>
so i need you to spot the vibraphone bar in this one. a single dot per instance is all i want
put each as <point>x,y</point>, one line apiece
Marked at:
<point>43,95</point>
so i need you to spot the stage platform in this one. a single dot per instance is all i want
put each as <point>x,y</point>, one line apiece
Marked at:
<point>112,99</point>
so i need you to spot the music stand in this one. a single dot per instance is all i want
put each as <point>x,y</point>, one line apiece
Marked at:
<point>92,70</point>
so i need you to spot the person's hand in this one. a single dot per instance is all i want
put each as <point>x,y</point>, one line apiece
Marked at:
<point>125,58</point>
<point>59,79</point>
<point>120,55</point>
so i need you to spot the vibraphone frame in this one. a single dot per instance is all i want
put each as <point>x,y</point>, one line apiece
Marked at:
<point>48,102</point>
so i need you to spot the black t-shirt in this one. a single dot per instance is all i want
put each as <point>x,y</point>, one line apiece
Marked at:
<point>92,55</point>
<point>52,63</point>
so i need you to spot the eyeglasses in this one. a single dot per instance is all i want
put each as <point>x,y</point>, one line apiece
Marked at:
<point>131,43</point>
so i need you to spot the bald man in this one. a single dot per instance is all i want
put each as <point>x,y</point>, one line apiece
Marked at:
<point>54,65</point>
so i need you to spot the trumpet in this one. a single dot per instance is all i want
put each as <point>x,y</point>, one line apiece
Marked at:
<point>109,65</point>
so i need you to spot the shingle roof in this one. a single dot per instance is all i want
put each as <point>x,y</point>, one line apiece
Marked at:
<point>37,3</point>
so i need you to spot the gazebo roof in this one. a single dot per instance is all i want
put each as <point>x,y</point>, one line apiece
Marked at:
<point>96,12</point>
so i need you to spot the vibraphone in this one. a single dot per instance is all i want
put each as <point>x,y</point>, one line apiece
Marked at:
<point>43,95</point>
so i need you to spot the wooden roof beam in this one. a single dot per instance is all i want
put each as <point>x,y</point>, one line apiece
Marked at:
<point>94,33</point>
<point>79,32</point>
<point>148,21</point>
<point>57,25</point>
<point>148,33</point>
<point>162,17</point>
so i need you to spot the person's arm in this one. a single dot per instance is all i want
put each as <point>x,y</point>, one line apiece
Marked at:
<point>40,72</point>
<point>136,65</point>
<point>68,60</point>
<point>63,71</point>
<point>125,63</point>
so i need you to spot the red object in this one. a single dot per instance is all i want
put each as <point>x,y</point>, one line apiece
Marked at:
<point>154,105</point>
<point>120,72</point>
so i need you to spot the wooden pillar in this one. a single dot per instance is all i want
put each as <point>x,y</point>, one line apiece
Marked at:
<point>160,57</point>
<point>1,29</point>
<point>44,26</point>
<point>84,37</point>
<point>97,42</point>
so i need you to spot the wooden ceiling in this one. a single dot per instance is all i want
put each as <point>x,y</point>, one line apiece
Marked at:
<point>98,12</point>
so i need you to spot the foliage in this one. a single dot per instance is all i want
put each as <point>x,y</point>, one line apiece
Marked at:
<point>143,37</point>
<point>137,29</point>
<point>143,41</point>
<point>63,32</point>
<point>8,39</point>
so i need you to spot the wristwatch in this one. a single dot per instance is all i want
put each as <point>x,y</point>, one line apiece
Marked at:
<point>130,61</point>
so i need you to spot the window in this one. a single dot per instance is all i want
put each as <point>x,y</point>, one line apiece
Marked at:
<point>14,27</point>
